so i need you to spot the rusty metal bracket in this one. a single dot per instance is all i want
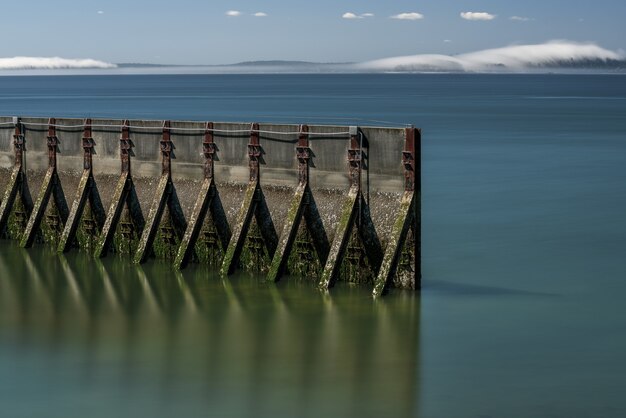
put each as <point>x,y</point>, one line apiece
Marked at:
<point>355,158</point>
<point>209,151</point>
<point>88,146</point>
<point>410,158</point>
<point>167,149</point>
<point>255,153</point>
<point>53,143</point>
<point>19,144</point>
<point>304,154</point>
<point>126,147</point>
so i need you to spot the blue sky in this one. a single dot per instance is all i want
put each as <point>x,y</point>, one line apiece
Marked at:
<point>195,32</point>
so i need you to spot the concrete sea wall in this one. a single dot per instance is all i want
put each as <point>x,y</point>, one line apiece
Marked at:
<point>367,163</point>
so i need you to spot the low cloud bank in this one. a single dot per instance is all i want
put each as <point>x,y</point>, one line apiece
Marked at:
<point>512,58</point>
<point>50,63</point>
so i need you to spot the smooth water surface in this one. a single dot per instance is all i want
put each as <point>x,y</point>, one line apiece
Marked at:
<point>524,236</point>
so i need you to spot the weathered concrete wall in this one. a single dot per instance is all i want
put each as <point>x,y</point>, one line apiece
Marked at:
<point>385,147</point>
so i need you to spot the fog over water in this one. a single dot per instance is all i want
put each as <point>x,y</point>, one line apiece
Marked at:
<point>548,56</point>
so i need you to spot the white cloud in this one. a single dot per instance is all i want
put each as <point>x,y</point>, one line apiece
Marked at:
<point>50,63</point>
<point>100,12</point>
<point>408,16</point>
<point>260,14</point>
<point>477,16</point>
<point>367,15</point>
<point>520,18</point>
<point>233,13</point>
<point>350,15</point>
<point>447,41</point>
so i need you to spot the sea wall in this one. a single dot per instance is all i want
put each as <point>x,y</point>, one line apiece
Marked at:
<point>280,168</point>
<point>331,203</point>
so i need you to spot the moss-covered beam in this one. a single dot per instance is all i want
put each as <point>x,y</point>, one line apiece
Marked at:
<point>287,238</point>
<point>51,187</point>
<point>200,209</point>
<point>123,196</point>
<point>154,218</point>
<point>406,217</point>
<point>87,192</point>
<point>302,206</point>
<point>240,230</point>
<point>17,186</point>
<point>342,237</point>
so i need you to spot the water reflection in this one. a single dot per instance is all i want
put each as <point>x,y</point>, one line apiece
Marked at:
<point>147,340</point>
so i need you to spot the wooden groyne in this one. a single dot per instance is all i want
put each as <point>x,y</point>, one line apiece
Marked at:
<point>195,194</point>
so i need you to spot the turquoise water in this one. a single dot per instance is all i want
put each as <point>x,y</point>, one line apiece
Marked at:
<point>524,235</point>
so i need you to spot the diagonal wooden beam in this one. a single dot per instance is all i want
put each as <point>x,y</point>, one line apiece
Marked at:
<point>200,209</point>
<point>120,197</point>
<point>341,240</point>
<point>393,252</point>
<point>290,231</point>
<point>162,195</point>
<point>240,231</point>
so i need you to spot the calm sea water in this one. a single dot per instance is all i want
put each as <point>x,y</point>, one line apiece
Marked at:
<point>524,266</point>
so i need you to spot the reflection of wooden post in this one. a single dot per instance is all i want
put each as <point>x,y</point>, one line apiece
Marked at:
<point>18,186</point>
<point>125,196</point>
<point>254,204</point>
<point>208,200</point>
<point>87,192</point>
<point>165,195</point>
<point>51,186</point>
<point>408,219</point>
<point>354,213</point>
<point>302,204</point>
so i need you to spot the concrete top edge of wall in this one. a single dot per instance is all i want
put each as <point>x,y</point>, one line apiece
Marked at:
<point>102,124</point>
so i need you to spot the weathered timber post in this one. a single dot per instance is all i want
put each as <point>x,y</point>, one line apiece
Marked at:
<point>302,205</point>
<point>208,200</point>
<point>124,197</point>
<point>254,205</point>
<point>407,222</point>
<point>165,195</point>
<point>51,186</point>
<point>354,213</point>
<point>18,185</point>
<point>87,193</point>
